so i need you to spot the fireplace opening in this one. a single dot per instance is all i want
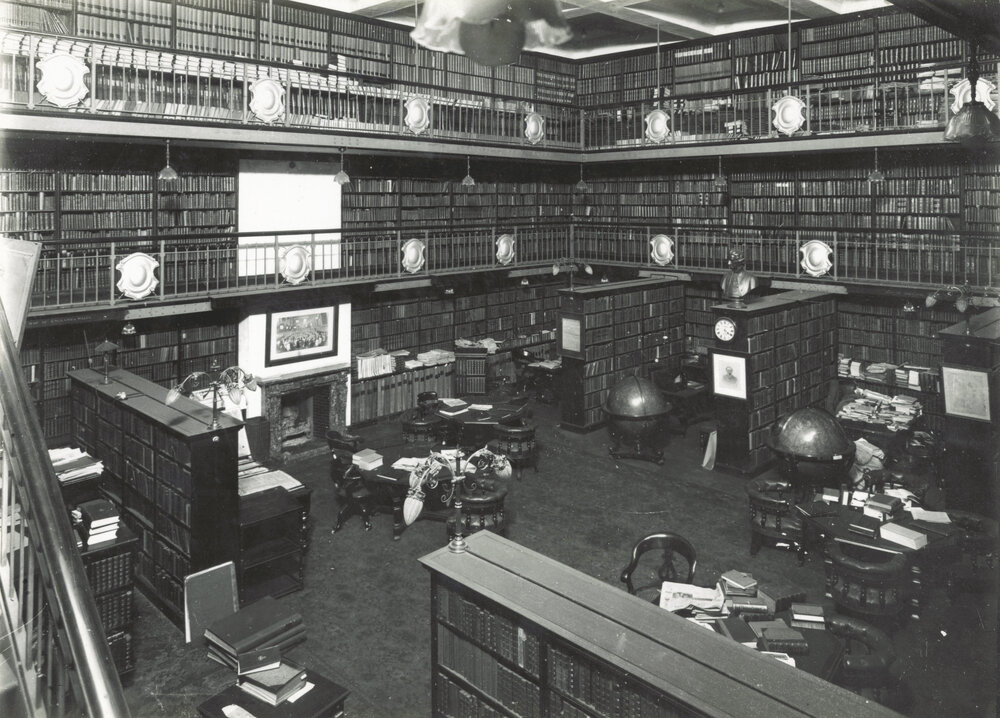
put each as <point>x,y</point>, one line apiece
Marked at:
<point>296,425</point>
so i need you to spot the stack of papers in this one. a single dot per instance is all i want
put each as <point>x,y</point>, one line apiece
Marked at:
<point>436,356</point>
<point>72,465</point>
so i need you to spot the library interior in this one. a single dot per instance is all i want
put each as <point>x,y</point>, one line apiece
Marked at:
<point>601,337</point>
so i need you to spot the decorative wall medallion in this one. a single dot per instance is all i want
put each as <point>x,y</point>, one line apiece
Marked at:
<point>963,93</point>
<point>505,248</point>
<point>138,278</point>
<point>418,115</point>
<point>268,102</point>
<point>413,255</point>
<point>296,263</point>
<point>816,258</point>
<point>788,117</point>
<point>662,249</point>
<point>534,127</point>
<point>62,79</point>
<point>657,125</point>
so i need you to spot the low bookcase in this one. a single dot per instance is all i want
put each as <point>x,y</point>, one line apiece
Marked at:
<point>517,634</point>
<point>110,567</point>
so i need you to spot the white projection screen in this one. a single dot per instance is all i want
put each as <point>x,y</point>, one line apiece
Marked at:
<point>283,196</point>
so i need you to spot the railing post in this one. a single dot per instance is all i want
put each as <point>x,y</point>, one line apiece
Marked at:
<point>277,267</point>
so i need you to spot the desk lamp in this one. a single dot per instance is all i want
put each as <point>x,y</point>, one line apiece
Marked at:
<point>234,380</point>
<point>107,348</point>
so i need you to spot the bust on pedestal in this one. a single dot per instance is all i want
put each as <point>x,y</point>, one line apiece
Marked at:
<point>737,282</point>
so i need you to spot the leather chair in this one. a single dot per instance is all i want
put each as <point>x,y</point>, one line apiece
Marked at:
<point>868,659</point>
<point>421,427</point>
<point>773,516</point>
<point>668,545</point>
<point>482,508</point>
<point>880,587</point>
<point>972,567</point>
<point>517,442</point>
<point>353,496</point>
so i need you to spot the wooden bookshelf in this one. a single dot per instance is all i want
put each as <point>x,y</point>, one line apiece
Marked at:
<point>196,203</point>
<point>28,201</point>
<point>173,478</point>
<point>838,50</point>
<point>786,345</point>
<point>514,633</point>
<point>611,331</point>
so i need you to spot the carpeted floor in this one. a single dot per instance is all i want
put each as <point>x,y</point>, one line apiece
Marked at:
<point>366,600</point>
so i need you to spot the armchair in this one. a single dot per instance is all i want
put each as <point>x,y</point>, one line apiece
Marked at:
<point>668,545</point>
<point>353,496</point>
<point>773,516</point>
<point>868,659</point>
<point>880,587</point>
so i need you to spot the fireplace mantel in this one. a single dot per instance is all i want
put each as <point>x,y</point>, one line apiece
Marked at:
<point>334,379</point>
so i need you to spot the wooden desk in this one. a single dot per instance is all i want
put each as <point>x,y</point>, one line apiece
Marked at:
<point>325,700</point>
<point>836,527</point>
<point>469,425</point>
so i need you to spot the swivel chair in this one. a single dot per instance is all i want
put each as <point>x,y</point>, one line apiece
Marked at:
<point>353,496</point>
<point>668,545</point>
<point>876,586</point>
<point>516,441</point>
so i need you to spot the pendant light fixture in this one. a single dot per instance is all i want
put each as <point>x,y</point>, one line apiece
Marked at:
<point>581,186</point>
<point>720,181</point>
<point>876,175</point>
<point>974,123</point>
<point>168,173</point>
<point>468,181</point>
<point>342,177</point>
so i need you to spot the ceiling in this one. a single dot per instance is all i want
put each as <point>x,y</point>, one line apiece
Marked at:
<point>606,26</point>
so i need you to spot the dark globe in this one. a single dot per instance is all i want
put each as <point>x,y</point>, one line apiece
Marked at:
<point>637,414</point>
<point>812,446</point>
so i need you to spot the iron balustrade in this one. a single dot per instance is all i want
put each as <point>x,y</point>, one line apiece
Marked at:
<point>126,82</point>
<point>53,640</point>
<point>75,273</point>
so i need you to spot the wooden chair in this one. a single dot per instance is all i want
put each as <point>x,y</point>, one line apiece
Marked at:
<point>876,586</point>
<point>773,516</point>
<point>866,668</point>
<point>421,427</point>
<point>353,496</point>
<point>517,442</point>
<point>668,545</point>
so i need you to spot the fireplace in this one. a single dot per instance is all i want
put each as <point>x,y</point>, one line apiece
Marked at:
<point>301,407</point>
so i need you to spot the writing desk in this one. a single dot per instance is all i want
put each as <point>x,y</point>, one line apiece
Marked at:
<point>325,700</point>
<point>474,426</point>
<point>836,526</point>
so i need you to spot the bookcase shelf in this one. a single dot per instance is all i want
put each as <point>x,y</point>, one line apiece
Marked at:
<point>174,480</point>
<point>110,568</point>
<point>624,328</point>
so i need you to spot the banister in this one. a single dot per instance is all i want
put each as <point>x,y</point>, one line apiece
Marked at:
<point>96,684</point>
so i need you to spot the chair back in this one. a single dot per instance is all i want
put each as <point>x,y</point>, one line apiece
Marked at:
<point>871,584</point>
<point>427,401</point>
<point>668,544</point>
<point>515,441</point>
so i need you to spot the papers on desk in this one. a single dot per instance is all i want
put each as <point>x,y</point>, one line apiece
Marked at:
<point>681,596</point>
<point>480,407</point>
<point>937,517</point>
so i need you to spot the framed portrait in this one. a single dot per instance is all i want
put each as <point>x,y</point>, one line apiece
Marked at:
<point>729,375</point>
<point>301,334</point>
<point>966,392</point>
<point>571,336</point>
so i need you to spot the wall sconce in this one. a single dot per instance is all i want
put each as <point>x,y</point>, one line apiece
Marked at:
<point>524,282</point>
<point>106,349</point>
<point>168,173</point>
<point>233,380</point>
<point>128,330</point>
<point>909,307</point>
<point>468,181</point>
<point>342,177</point>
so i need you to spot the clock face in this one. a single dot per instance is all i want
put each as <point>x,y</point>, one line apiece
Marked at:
<point>725,329</point>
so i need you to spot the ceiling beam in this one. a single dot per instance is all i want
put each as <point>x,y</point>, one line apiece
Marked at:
<point>811,8</point>
<point>623,10</point>
<point>972,21</point>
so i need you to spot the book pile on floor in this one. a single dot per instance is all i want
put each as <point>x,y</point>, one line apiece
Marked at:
<point>74,465</point>
<point>96,522</point>
<point>252,640</point>
<point>742,595</point>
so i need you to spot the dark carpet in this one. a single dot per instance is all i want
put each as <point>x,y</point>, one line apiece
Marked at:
<point>366,600</point>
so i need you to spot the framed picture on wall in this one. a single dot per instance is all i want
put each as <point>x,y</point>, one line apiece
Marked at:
<point>301,334</point>
<point>966,392</point>
<point>729,375</point>
<point>571,336</point>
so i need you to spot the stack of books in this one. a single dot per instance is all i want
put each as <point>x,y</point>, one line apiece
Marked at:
<point>742,595</point>
<point>807,615</point>
<point>883,507</point>
<point>902,535</point>
<point>74,465</point>
<point>276,684</point>
<point>96,522</point>
<point>451,406</point>
<point>374,363</point>
<point>777,636</point>
<point>263,624</point>
<point>367,459</point>
<point>436,356</point>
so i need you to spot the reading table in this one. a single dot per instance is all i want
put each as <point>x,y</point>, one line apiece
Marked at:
<point>325,700</point>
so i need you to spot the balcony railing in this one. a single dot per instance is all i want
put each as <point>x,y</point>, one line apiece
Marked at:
<point>125,82</point>
<point>52,638</point>
<point>78,274</point>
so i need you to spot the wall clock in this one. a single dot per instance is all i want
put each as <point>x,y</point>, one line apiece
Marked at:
<point>725,329</point>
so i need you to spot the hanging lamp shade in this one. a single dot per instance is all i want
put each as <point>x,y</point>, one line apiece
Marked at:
<point>468,180</point>
<point>342,177</point>
<point>490,32</point>
<point>876,175</point>
<point>720,181</point>
<point>582,185</point>
<point>168,173</point>
<point>974,123</point>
